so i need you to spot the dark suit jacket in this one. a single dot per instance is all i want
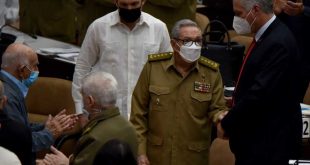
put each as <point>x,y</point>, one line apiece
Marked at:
<point>16,110</point>
<point>16,137</point>
<point>265,124</point>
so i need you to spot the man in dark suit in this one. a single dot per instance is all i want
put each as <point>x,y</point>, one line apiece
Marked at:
<point>18,71</point>
<point>296,15</point>
<point>264,125</point>
<point>11,132</point>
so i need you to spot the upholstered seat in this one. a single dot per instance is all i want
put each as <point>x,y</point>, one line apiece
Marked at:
<point>50,96</point>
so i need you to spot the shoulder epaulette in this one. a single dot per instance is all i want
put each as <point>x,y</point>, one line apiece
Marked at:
<point>160,56</point>
<point>209,63</point>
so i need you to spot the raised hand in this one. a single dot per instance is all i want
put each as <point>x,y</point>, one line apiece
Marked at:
<point>293,8</point>
<point>60,123</point>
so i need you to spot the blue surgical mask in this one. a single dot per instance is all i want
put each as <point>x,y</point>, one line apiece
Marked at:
<point>31,79</point>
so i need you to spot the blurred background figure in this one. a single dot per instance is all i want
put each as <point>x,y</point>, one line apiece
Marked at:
<point>296,15</point>
<point>171,11</point>
<point>115,152</point>
<point>9,12</point>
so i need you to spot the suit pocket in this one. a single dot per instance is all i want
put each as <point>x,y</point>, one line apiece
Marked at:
<point>200,103</point>
<point>159,97</point>
<point>155,149</point>
<point>150,48</point>
<point>155,140</point>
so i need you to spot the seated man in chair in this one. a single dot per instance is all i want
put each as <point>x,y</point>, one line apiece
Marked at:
<point>99,91</point>
<point>18,71</point>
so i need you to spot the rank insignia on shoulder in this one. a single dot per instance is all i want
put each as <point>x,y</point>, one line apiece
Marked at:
<point>160,56</point>
<point>209,63</point>
<point>201,87</point>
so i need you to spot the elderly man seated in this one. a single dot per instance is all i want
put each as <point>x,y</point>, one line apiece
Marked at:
<point>18,71</point>
<point>99,90</point>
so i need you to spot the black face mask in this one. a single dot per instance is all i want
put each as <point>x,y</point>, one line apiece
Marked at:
<point>129,15</point>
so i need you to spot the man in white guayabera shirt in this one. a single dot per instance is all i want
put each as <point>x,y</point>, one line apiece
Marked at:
<point>118,43</point>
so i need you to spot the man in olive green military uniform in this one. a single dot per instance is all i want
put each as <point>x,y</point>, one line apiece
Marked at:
<point>64,20</point>
<point>175,101</point>
<point>99,90</point>
<point>170,11</point>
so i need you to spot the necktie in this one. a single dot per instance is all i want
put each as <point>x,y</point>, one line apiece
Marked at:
<point>252,45</point>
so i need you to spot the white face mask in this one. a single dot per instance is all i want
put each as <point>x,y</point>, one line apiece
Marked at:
<point>190,53</point>
<point>241,25</point>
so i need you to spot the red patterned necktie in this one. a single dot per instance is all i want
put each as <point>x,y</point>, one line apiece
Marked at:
<point>243,63</point>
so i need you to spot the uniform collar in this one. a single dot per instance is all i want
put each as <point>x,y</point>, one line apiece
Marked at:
<point>104,115</point>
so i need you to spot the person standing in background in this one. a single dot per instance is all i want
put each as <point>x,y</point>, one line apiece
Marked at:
<point>296,15</point>
<point>119,43</point>
<point>9,12</point>
<point>171,11</point>
<point>54,19</point>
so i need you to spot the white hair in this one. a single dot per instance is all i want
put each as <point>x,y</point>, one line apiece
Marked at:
<point>266,5</point>
<point>102,87</point>
<point>175,33</point>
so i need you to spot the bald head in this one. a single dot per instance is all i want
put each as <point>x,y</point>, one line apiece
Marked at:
<point>18,56</point>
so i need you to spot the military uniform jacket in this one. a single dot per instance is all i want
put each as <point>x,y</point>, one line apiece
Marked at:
<point>108,125</point>
<point>173,114</point>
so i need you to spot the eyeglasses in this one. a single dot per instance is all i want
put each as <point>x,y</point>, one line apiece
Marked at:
<point>187,42</point>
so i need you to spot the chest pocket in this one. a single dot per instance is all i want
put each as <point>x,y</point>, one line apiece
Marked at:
<point>200,103</point>
<point>150,48</point>
<point>159,98</point>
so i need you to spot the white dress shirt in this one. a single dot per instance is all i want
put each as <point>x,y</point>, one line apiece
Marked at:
<point>112,47</point>
<point>260,32</point>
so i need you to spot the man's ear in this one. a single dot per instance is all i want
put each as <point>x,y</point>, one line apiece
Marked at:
<point>90,100</point>
<point>21,71</point>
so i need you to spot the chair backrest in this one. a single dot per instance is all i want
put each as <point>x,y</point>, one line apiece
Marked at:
<point>243,40</point>
<point>220,153</point>
<point>307,96</point>
<point>49,96</point>
<point>202,21</point>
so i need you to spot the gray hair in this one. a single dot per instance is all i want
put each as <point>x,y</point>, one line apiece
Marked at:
<point>102,87</point>
<point>175,33</point>
<point>266,5</point>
